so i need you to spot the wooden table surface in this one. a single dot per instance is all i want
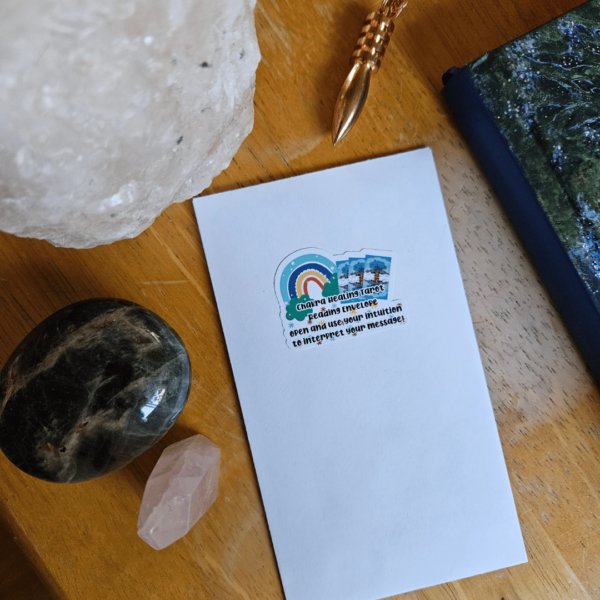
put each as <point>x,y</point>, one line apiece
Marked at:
<point>82,538</point>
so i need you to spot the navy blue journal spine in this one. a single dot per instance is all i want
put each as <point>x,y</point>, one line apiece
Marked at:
<point>547,252</point>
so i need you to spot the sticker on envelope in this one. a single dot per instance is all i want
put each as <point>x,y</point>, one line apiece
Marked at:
<point>325,298</point>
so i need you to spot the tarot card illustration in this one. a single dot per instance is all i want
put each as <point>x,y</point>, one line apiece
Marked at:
<point>357,273</point>
<point>377,276</point>
<point>343,270</point>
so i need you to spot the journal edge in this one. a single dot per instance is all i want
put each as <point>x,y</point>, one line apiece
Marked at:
<point>533,226</point>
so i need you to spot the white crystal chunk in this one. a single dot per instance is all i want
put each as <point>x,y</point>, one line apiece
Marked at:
<point>181,488</point>
<point>112,110</point>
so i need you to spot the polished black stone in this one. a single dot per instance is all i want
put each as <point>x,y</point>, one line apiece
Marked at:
<point>90,389</point>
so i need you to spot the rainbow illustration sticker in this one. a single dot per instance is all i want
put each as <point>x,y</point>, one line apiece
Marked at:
<point>325,298</point>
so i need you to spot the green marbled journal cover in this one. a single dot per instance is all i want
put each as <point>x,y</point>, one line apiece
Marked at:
<point>543,91</point>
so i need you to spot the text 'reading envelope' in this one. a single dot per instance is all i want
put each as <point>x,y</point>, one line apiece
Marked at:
<point>360,380</point>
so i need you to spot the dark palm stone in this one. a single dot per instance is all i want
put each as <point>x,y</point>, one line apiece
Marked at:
<point>91,388</point>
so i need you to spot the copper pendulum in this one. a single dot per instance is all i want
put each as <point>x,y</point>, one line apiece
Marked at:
<point>366,59</point>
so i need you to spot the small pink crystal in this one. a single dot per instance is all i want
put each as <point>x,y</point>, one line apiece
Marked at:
<point>181,488</point>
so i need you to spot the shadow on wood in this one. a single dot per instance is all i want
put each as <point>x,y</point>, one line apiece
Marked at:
<point>18,579</point>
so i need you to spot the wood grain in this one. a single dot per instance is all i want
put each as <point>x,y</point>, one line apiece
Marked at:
<point>18,579</point>
<point>82,538</point>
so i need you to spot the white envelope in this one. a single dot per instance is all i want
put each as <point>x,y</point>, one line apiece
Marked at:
<point>377,454</point>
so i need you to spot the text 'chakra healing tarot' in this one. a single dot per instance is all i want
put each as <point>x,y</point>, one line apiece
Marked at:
<point>325,298</point>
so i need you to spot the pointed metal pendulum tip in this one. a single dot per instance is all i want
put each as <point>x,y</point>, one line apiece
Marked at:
<point>366,59</point>
<point>350,102</point>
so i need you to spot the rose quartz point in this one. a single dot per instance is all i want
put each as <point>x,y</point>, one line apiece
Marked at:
<point>181,488</point>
